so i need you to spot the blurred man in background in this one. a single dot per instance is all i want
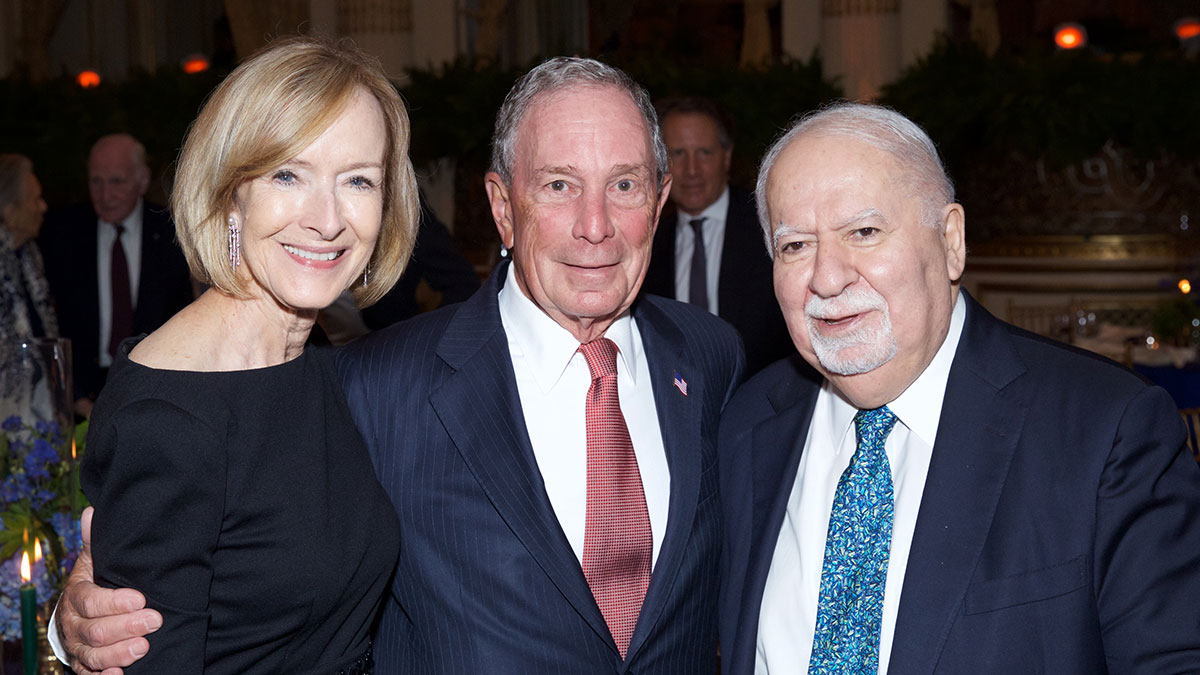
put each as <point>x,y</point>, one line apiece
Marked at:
<point>708,249</point>
<point>113,265</point>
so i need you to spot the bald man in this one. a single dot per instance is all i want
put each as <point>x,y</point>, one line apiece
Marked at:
<point>117,241</point>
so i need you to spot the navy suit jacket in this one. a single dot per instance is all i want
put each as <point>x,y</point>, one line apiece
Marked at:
<point>1059,530</point>
<point>68,243</point>
<point>487,581</point>
<point>745,283</point>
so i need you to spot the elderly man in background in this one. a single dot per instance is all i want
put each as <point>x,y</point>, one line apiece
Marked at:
<point>708,248</point>
<point>946,493</point>
<point>549,444</point>
<point>114,268</point>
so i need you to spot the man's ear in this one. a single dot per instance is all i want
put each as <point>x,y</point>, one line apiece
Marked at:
<point>954,239</point>
<point>663,192</point>
<point>500,202</point>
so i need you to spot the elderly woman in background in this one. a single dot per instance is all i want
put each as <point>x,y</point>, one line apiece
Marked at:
<point>26,310</point>
<point>231,486</point>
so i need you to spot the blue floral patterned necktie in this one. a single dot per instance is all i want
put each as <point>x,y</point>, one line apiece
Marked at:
<point>853,575</point>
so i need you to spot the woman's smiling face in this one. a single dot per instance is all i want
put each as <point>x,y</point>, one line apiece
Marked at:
<point>309,226</point>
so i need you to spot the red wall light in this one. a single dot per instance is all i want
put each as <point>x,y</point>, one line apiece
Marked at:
<point>194,64</point>
<point>1070,36</point>
<point>88,79</point>
<point>1186,29</point>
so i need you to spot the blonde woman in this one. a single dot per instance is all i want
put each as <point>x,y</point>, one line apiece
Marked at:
<point>231,487</point>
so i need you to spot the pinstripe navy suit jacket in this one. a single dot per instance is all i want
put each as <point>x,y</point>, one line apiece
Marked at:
<point>487,582</point>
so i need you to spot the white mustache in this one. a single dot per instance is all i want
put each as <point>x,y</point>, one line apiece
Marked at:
<point>848,302</point>
<point>865,347</point>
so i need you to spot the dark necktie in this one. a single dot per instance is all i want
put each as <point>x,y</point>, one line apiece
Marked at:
<point>617,543</point>
<point>698,286</point>
<point>122,303</point>
<point>850,609</point>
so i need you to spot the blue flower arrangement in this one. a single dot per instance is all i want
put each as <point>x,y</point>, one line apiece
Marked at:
<point>39,491</point>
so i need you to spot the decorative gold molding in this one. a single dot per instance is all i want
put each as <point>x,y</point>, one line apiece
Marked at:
<point>855,7</point>
<point>1107,247</point>
<point>374,16</point>
<point>1075,288</point>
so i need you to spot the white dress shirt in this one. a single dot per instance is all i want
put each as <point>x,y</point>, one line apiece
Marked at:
<point>131,241</point>
<point>714,241</point>
<point>788,616</point>
<point>552,381</point>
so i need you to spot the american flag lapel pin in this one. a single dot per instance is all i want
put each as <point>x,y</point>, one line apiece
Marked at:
<point>680,383</point>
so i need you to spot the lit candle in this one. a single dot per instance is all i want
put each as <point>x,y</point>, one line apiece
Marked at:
<point>28,617</point>
<point>74,482</point>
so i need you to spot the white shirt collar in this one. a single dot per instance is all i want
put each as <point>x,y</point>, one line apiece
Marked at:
<point>713,212</point>
<point>919,407</point>
<point>548,347</point>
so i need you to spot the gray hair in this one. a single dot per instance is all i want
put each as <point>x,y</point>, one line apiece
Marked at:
<point>137,151</point>
<point>14,171</point>
<point>558,74</point>
<point>882,128</point>
<point>698,105</point>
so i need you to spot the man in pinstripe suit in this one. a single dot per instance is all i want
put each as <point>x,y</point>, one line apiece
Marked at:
<point>474,414</point>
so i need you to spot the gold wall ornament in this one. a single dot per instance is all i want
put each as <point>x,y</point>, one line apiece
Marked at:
<point>254,23</point>
<point>1127,185</point>
<point>851,7</point>
<point>489,19</point>
<point>756,34</point>
<point>1113,192</point>
<point>374,16</point>
<point>1124,247</point>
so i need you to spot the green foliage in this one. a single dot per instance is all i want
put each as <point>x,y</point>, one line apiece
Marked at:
<point>1062,107</point>
<point>40,480</point>
<point>760,102</point>
<point>1172,320</point>
<point>453,109</point>
<point>56,122</point>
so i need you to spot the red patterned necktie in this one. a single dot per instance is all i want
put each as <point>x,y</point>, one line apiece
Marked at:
<point>617,542</point>
<point>122,297</point>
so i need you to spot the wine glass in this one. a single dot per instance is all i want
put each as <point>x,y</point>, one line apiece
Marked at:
<point>35,382</point>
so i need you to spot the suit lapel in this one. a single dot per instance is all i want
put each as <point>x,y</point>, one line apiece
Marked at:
<point>980,423</point>
<point>481,411</point>
<point>679,424</point>
<point>777,444</point>
<point>150,286</point>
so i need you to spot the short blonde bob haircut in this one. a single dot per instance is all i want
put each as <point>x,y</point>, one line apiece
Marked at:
<point>265,113</point>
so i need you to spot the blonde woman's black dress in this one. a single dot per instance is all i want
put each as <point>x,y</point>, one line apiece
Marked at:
<point>245,507</point>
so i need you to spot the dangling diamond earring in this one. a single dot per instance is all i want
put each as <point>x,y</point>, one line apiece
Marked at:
<point>235,244</point>
<point>366,270</point>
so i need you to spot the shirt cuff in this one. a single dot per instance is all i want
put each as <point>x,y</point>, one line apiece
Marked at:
<point>52,636</point>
